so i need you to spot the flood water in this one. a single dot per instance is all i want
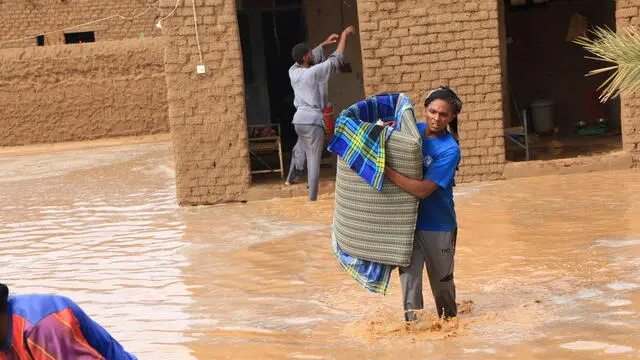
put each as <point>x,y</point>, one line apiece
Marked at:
<point>547,268</point>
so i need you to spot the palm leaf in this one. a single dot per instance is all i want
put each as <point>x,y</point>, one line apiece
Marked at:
<point>622,50</point>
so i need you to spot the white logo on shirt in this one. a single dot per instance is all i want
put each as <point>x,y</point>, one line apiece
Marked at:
<point>426,161</point>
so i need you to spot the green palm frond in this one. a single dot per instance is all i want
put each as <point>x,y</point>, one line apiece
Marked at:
<point>622,51</point>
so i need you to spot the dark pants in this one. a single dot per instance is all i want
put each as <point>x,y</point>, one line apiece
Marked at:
<point>436,249</point>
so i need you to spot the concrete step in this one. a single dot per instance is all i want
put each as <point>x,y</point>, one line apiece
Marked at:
<point>611,161</point>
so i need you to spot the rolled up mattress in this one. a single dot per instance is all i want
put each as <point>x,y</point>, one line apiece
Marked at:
<point>379,225</point>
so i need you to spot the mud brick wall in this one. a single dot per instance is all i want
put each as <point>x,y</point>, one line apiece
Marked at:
<point>628,14</point>
<point>82,91</point>
<point>413,46</point>
<point>21,18</point>
<point>206,112</point>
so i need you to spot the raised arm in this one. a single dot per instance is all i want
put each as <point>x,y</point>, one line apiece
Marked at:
<point>330,66</point>
<point>318,51</point>
<point>342,45</point>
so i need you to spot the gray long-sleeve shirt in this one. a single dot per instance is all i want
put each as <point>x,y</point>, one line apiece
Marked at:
<point>310,86</point>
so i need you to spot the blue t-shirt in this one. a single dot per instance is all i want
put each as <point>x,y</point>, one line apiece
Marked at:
<point>440,158</point>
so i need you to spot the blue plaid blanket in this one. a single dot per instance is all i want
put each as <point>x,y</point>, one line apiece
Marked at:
<point>373,277</point>
<point>360,142</point>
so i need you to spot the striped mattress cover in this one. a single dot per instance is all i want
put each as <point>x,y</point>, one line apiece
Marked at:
<point>379,225</point>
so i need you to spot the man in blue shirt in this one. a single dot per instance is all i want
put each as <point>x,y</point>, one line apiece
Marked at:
<point>436,229</point>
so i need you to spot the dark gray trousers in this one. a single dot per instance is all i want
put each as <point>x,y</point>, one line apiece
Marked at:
<point>436,249</point>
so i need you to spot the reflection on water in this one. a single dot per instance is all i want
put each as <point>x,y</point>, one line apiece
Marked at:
<point>551,265</point>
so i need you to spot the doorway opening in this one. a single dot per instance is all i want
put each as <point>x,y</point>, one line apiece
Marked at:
<point>269,29</point>
<point>546,86</point>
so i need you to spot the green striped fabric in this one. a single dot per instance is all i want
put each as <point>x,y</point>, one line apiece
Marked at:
<point>379,225</point>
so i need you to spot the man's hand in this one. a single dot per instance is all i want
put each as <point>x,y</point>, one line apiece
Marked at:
<point>343,39</point>
<point>332,39</point>
<point>348,30</point>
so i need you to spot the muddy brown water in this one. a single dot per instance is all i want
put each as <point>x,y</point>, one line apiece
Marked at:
<point>547,268</point>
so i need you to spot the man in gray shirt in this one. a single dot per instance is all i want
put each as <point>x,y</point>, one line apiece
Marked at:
<point>309,79</point>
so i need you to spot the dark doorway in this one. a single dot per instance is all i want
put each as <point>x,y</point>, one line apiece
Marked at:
<point>269,29</point>
<point>268,32</point>
<point>282,31</point>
